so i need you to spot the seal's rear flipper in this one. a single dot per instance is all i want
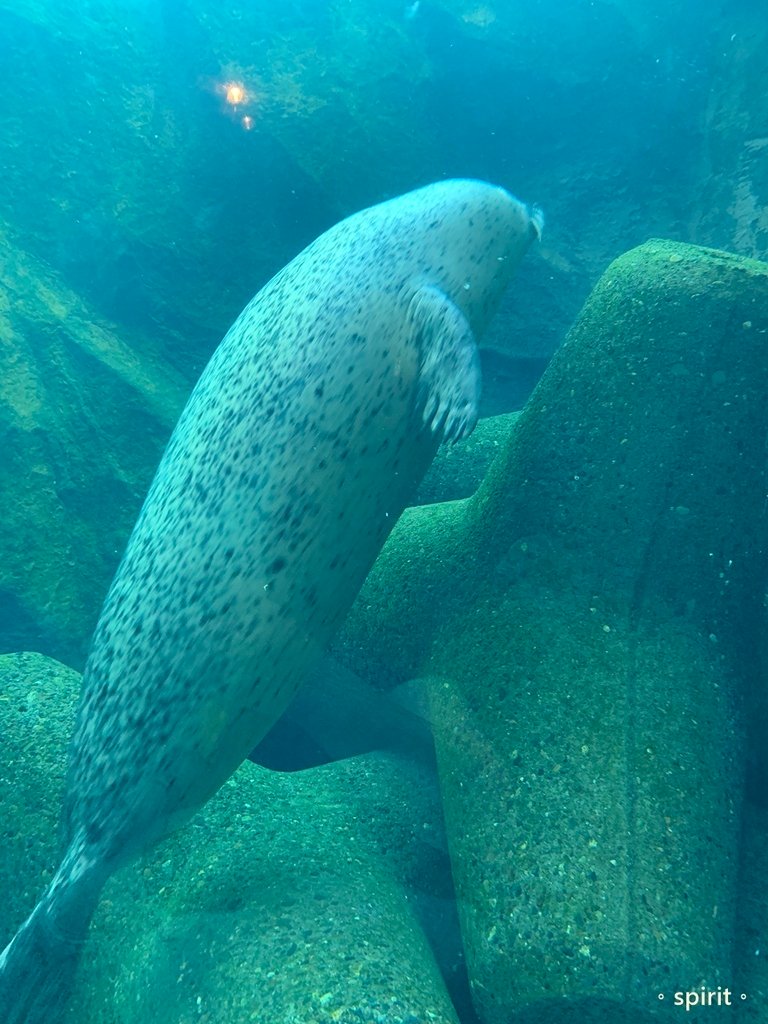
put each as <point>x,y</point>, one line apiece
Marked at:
<point>38,966</point>
<point>36,972</point>
<point>449,375</point>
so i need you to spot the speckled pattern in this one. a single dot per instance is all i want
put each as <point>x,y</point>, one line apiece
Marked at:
<point>312,423</point>
<point>290,463</point>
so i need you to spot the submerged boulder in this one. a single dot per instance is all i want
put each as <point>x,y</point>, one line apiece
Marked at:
<point>458,470</point>
<point>288,897</point>
<point>37,715</point>
<point>589,621</point>
<point>83,419</point>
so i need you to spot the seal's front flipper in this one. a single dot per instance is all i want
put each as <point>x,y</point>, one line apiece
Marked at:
<point>449,375</point>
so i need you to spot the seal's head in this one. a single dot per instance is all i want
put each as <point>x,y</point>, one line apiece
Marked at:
<point>471,236</point>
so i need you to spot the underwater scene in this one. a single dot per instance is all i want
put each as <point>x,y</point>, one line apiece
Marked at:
<point>384,547</point>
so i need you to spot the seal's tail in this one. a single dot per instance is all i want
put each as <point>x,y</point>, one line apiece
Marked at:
<point>38,966</point>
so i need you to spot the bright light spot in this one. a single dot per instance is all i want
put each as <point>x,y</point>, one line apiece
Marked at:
<point>235,93</point>
<point>247,123</point>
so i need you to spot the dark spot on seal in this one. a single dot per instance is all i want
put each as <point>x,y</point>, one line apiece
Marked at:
<point>277,565</point>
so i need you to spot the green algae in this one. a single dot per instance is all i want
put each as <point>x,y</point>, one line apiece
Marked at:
<point>283,897</point>
<point>288,897</point>
<point>599,601</point>
<point>83,420</point>
<point>37,698</point>
<point>458,470</point>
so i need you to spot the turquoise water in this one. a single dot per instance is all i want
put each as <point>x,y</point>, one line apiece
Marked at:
<point>527,781</point>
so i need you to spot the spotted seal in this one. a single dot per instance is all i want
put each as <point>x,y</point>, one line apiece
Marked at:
<point>310,426</point>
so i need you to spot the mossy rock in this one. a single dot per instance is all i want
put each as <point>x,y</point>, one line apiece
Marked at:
<point>37,712</point>
<point>589,620</point>
<point>287,897</point>
<point>286,894</point>
<point>83,420</point>
<point>458,470</point>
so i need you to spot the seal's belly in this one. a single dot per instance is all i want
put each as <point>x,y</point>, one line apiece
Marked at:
<point>295,454</point>
<point>247,557</point>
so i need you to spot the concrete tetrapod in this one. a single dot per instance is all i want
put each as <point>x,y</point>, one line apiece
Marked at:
<point>287,898</point>
<point>589,622</point>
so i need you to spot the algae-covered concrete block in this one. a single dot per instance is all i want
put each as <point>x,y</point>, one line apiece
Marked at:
<point>83,420</point>
<point>286,898</point>
<point>289,897</point>
<point>590,618</point>
<point>458,470</point>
